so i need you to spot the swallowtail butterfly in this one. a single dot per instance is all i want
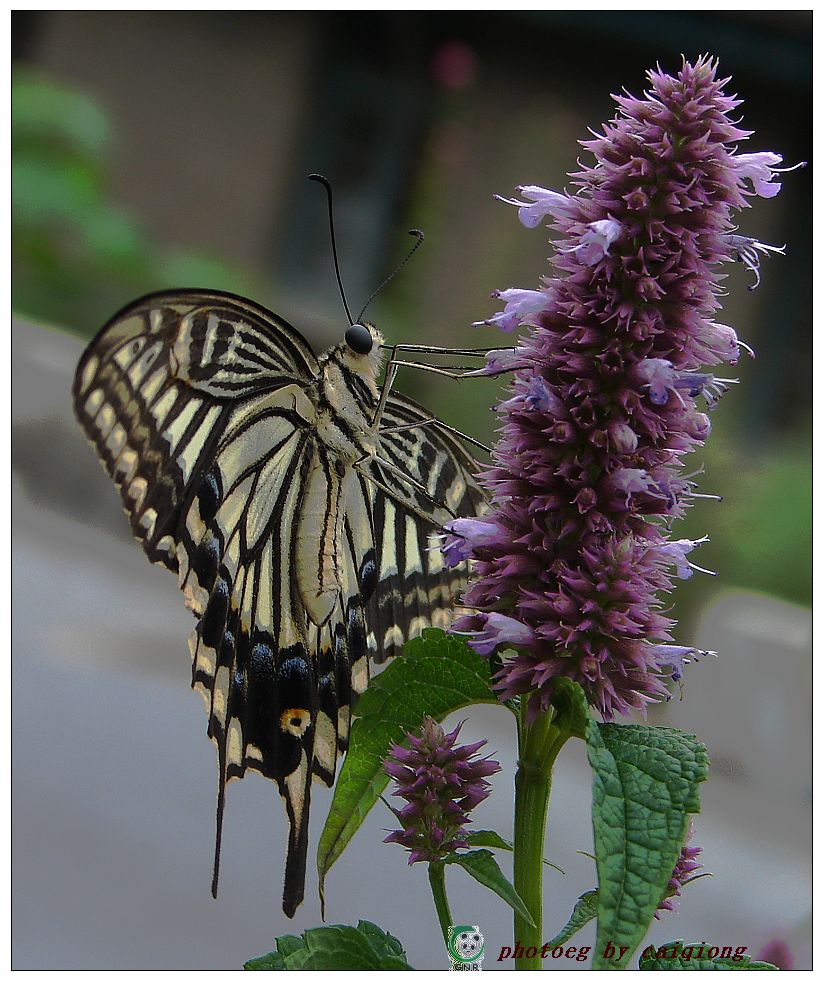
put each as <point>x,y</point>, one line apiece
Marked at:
<point>297,505</point>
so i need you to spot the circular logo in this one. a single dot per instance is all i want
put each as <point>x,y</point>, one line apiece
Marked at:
<point>466,944</point>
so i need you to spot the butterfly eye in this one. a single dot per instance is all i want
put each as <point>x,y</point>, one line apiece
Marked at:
<point>358,339</point>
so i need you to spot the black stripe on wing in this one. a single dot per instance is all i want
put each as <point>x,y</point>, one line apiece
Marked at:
<point>414,589</point>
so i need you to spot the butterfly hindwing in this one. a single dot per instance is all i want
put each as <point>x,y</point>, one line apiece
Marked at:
<point>414,589</point>
<point>278,686</point>
<point>257,658</point>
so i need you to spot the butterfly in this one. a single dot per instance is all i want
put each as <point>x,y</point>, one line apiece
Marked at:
<point>298,503</point>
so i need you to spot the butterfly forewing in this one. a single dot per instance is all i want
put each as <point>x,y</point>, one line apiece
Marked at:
<point>153,407</point>
<point>211,416</point>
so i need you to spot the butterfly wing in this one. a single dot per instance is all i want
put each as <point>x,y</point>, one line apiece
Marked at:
<point>195,404</point>
<point>414,589</point>
<point>278,677</point>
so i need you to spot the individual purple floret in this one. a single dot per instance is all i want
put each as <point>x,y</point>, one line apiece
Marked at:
<point>441,783</point>
<point>611,384</point>
<point>684,872</point>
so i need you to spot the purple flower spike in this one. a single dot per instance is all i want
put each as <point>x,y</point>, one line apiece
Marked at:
<point>441,783</point>
<point>658,376</point>
<point>676,553</point>
<point>777,952</point>
<point>534,396</point>
<point>611,382</point>
<point>499,362</point>
<point>749,251</point>
<point>674,657</point>
<point>760,169</point>
<point>683,873</point>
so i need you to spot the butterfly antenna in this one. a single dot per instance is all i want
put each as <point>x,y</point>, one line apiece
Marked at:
<point>419,236</point>
<point>322,180</point>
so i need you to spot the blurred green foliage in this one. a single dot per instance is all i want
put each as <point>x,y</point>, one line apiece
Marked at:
<point>77,255</point>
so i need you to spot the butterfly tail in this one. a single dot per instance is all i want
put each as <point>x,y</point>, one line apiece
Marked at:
<point>295,876</point>
<point>295,703</point>
<point>221,803</point>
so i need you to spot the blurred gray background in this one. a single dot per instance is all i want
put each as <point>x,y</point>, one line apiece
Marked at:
<point>170,149</point>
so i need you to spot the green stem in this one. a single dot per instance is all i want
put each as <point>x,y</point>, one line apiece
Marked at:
<point>539,744</point>
<point>438,883</point>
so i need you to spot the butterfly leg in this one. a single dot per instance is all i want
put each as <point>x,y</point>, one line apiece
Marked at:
<point>391,372</point>
<point>455,371</point>
<point>388,379</point>
<point>475,352</point>
<point>452,371</point>
<point>435,421</point>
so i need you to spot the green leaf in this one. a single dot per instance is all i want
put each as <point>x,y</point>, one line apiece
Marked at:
<point>670,957</point>
<point>289,943</point>
<point>335,948</point>
<point>266,962</point>
<point>645,786</point>
<point>47,111</point>
<point>493,840</point>
<point>481,865</point>
<point>383,943</point>
<point>436,675</point>
<point>585,909</point>
<point>489,838</point>
<point>43,194</point>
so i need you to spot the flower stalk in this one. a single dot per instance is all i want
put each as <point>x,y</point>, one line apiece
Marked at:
<point>437,883</point>
<point>539,743</point>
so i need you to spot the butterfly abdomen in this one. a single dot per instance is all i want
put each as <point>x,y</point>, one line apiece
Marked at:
<point>320,525</point>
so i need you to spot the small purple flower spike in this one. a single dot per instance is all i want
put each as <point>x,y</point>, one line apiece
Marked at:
<point>611,384</point>
<point>540,203</point>
<point>683,873</point>
<point>441,783</point>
